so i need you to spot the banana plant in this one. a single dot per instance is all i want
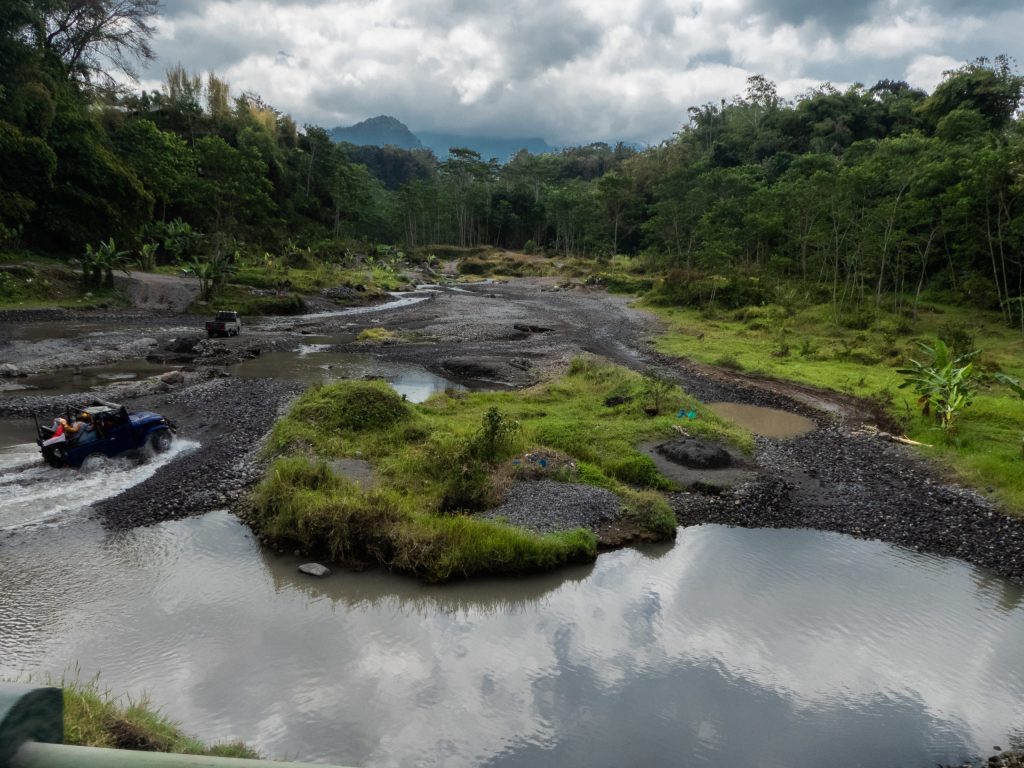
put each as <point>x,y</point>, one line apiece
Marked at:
<point>99,264</point>
<point>211,273</point>
<point>147,256</point>
<point>945,385</point>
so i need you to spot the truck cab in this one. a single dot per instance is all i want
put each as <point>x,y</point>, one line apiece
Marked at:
<point>226,323</point>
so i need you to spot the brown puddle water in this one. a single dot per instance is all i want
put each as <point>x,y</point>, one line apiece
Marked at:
<point>732,648</point>
<point>767,422</point>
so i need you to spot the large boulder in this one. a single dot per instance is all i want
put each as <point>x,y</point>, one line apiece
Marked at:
<point>695,454</point>
<point>173,377</point>
<point>184,345</point>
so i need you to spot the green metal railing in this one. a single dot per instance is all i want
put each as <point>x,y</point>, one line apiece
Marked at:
<point>32,729</point>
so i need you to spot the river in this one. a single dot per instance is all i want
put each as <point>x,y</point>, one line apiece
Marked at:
<point>731,647</point>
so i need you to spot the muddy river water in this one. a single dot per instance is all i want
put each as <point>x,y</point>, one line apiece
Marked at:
<point>732,647</point>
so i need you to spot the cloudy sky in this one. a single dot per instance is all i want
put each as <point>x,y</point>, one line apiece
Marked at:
<point>569,71</point>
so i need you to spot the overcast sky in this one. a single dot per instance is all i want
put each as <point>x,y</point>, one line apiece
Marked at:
<point>569,71</point>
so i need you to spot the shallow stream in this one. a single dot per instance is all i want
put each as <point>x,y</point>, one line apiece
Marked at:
<point>731,648</point>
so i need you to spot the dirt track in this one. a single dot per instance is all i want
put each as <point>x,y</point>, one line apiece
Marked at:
<point>837,478</point>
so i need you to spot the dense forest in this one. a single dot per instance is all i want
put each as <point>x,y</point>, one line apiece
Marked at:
<point>871,194</point>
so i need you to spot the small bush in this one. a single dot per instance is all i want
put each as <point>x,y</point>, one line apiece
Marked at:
<point>639,470</point>
<point>470,486</point>
<point>475,267</point>
<point>657,392</point>
<point>351,406</point>
<point>378,336</point>
<point>960,338</point>
<point>650,512</point>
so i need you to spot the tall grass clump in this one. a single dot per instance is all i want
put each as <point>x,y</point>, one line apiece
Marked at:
<point>94,717</point>
<point>302,502</point>
<point>351,406</point>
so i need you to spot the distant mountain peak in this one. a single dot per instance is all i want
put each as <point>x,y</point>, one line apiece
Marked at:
<point>385,130</point>
<point>381,131</point>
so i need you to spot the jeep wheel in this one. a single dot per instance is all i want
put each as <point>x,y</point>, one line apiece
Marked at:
<point>55,456</point>
<point>161,441</point>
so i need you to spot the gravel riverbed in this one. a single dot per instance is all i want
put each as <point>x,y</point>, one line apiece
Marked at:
<point>837,478</point>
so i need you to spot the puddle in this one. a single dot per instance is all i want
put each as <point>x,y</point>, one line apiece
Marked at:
<point>312,365</point>
<point>767,422</point>
<point>733,647</point>
<point>71,380</point>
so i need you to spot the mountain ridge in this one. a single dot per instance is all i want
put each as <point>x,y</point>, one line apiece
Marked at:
<point>385,130</point>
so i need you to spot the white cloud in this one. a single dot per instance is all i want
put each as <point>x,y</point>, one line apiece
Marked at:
<point>925,71</point>
<point>576,70</point>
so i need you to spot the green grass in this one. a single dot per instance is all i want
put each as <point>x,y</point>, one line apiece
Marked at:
<point>39,285</point>
<point>806,346</point>
<point>95,717</point>
<point>246,304</point>
<point>379,336</point>
<point>374,280</point>
<point>435,464</point>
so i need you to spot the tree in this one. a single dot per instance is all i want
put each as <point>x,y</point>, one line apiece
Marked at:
<point>160,160</point>
<point>620,203</point>
<point>231,188</point>
<point>992,89</point>
<point>93,36</point>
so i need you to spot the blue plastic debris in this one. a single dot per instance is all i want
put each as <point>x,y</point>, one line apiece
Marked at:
<point>681,413</point>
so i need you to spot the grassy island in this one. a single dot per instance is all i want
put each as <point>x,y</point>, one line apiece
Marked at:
<point>437,465</point>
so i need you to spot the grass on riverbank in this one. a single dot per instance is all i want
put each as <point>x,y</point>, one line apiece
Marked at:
<point>31,285</point>
<point>371,281</point>
<point>438,462</point>
<point>805,346</point>
<point>95,717</point>
<point>247,304</point>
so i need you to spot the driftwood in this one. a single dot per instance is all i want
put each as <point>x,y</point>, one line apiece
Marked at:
<point>875,432</point>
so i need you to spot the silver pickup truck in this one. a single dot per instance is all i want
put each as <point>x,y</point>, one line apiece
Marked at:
<point>226,323</point>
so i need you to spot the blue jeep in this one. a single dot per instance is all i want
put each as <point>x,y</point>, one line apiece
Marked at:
<point>106,430</point>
